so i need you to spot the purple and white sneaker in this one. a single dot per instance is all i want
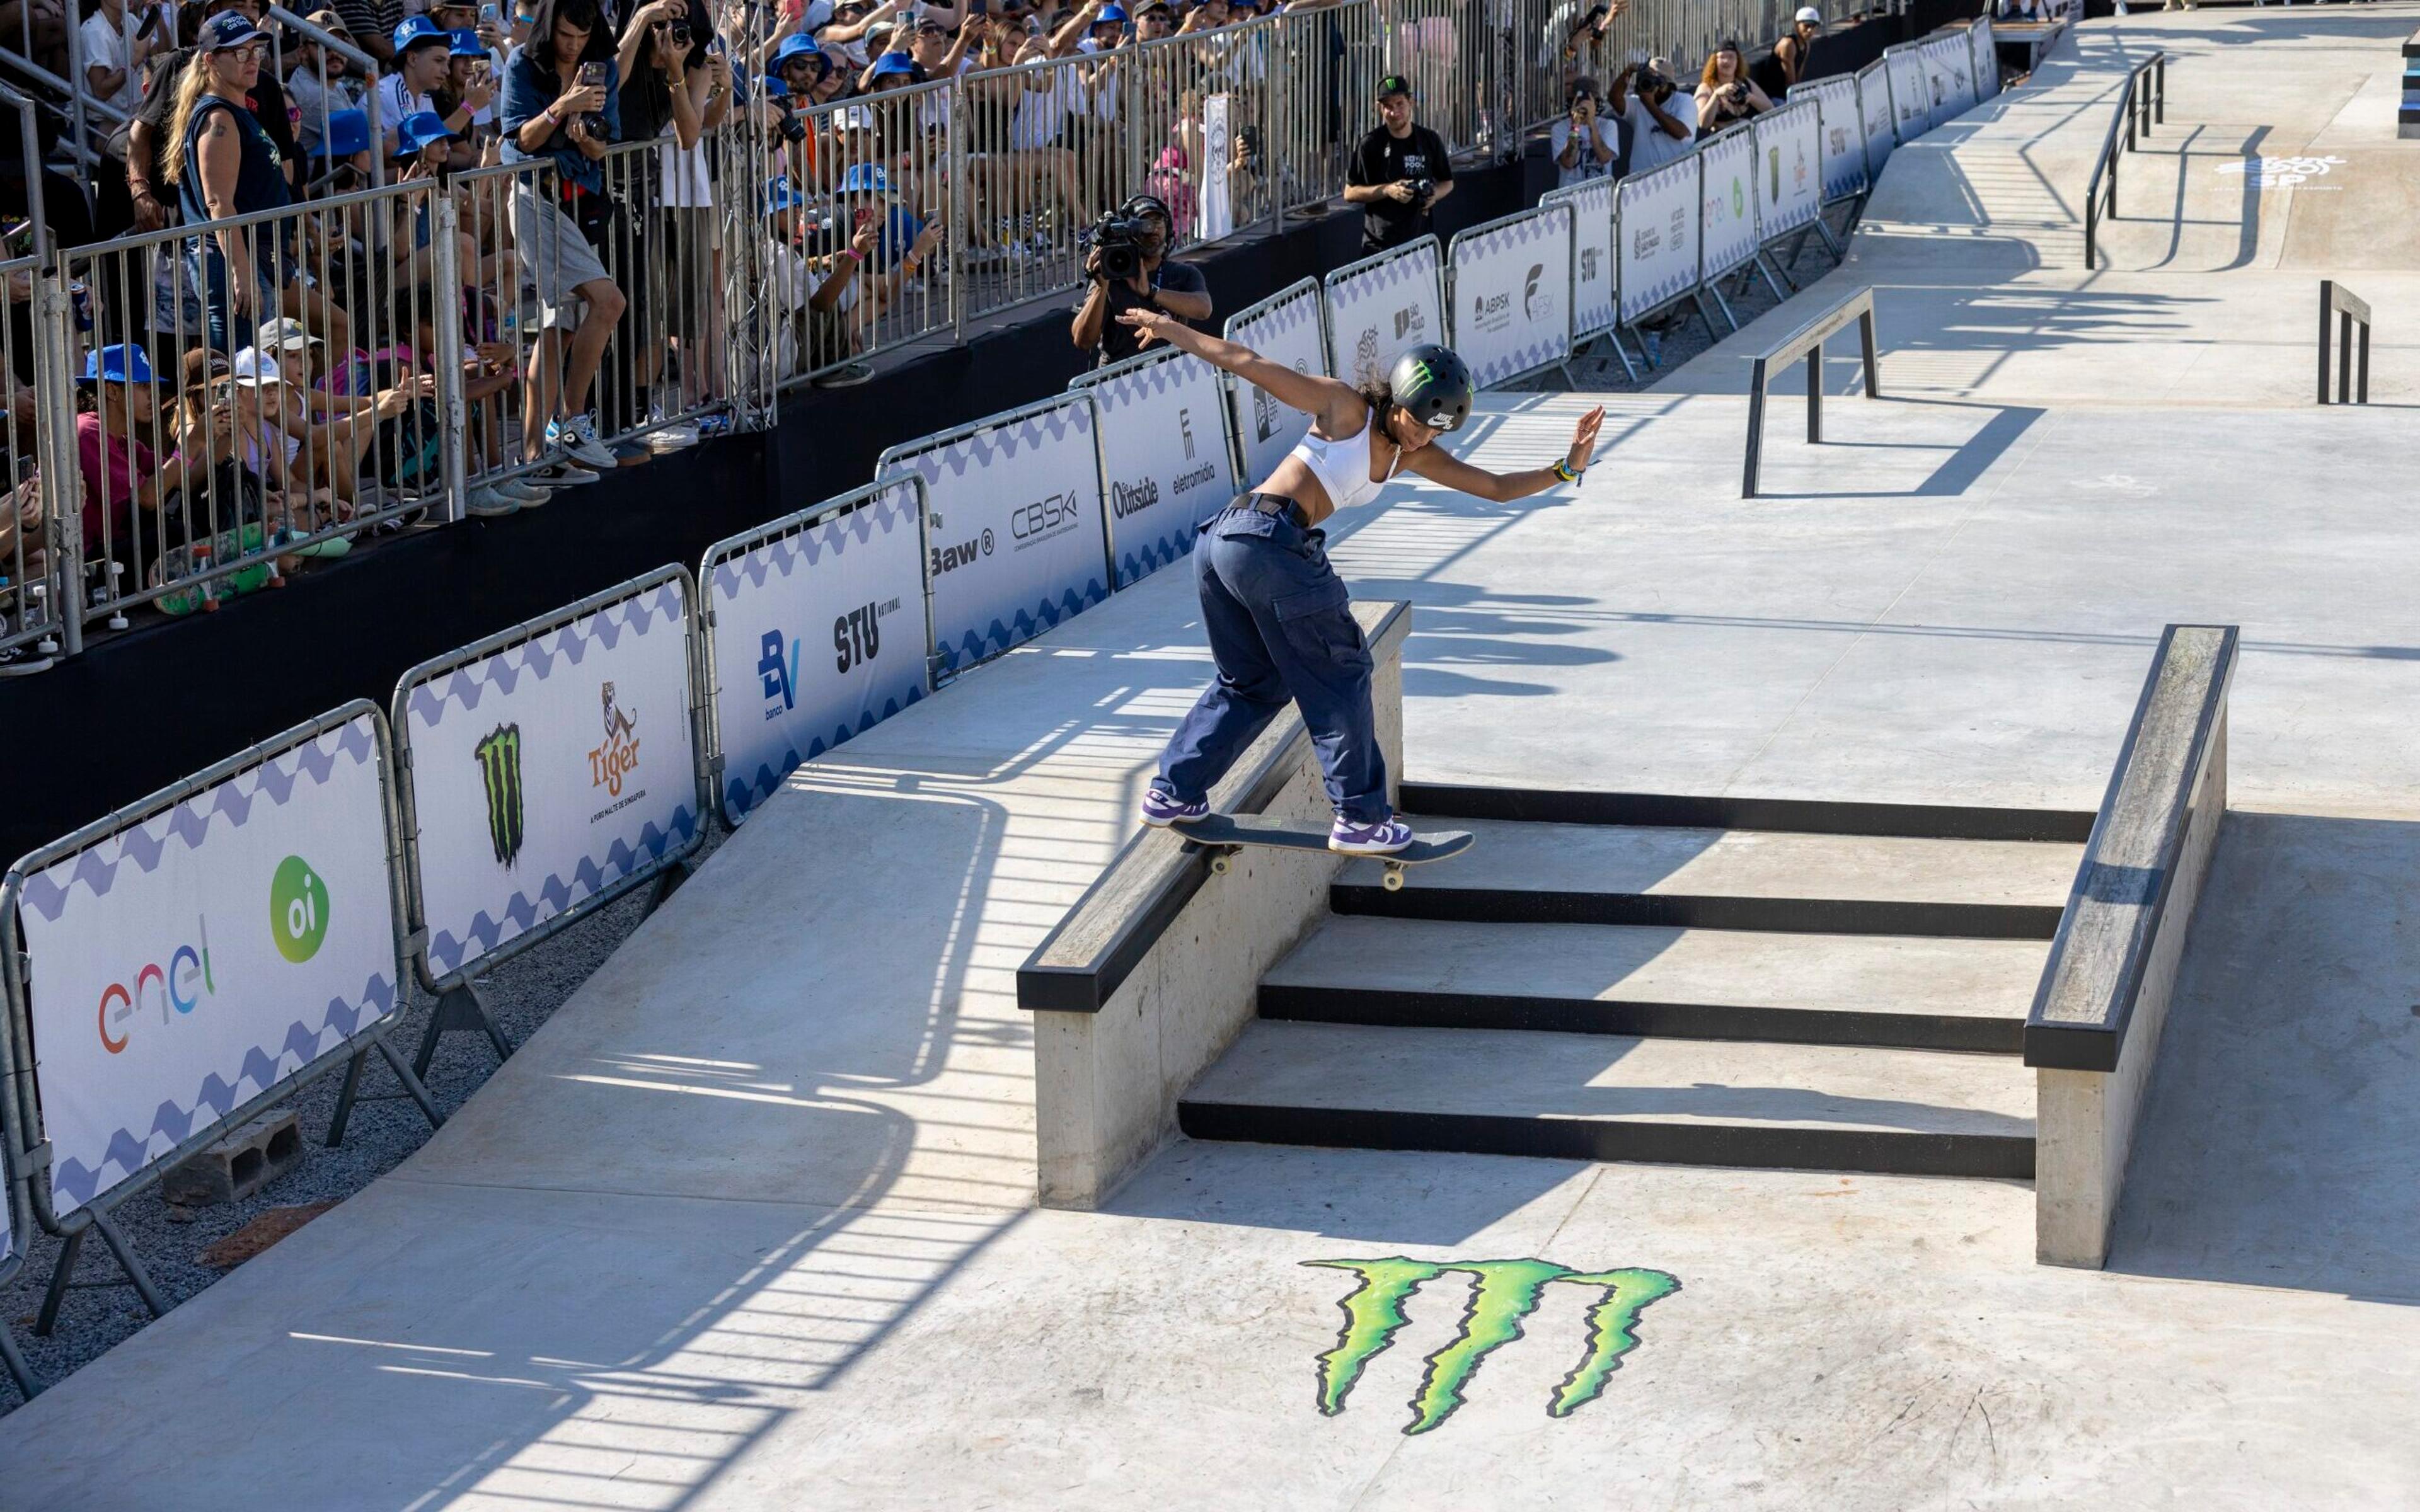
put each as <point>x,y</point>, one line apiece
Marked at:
<point>1384,838</point>
<point>1161,810</point>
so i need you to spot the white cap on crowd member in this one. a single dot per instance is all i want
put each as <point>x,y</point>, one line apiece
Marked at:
<point>285,335</point>
<point>254,368</point>
<point>1810,13</point>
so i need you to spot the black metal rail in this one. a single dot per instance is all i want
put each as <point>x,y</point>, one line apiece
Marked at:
<point>2343,310</point>
<point>1807,342</point>
<point>2138,109</point>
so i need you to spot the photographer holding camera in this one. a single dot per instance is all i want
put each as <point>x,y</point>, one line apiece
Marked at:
<point>1726,95</point>
<point>1398,173</point>
<point>1129,269</point>
<point>1662,121</point>
<point>1585,143</point>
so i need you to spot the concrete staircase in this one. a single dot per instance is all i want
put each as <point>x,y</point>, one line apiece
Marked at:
<point>1818,986</point>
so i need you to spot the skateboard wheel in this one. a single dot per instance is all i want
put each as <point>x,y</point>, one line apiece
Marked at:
<point>1219,865</point>
<point>1393,881</point>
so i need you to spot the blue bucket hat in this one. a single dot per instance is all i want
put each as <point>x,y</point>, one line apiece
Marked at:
<point>348,132</point>
<point>416,30</point>
<point>228,29</point>
<point>419,128</point>
<point>793,46</point>
<point>890,63</point>
<point>125,363</point>
<point>467,42</point>
<point>1110,16</point>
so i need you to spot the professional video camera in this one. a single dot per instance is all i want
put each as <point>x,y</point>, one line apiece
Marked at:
<point>787,120</point>
<point>1118,237</point>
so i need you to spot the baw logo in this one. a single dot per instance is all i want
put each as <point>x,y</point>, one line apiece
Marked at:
<point>949,558</point>
<point>500,778</point>
<point>1503,1293</point>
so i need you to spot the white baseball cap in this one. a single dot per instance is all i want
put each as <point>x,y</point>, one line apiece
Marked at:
<point>1810,13</point>
<point>285,335</point>
<point>254,368</point>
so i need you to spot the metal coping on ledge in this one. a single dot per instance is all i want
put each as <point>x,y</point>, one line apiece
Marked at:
<point>1086,986</point>
<point>1810,816</point>
<point>2097,1046</point>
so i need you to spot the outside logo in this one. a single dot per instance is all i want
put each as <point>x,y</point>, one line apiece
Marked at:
<point>181,986</point>
<point>778,672</point>
<point>298,910</point>
<point>1503,1293</point>
<point>1130,498</point>
<point>610,763</point>
<point>500,780</point>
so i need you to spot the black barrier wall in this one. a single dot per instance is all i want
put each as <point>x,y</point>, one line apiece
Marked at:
<point>136,713</point>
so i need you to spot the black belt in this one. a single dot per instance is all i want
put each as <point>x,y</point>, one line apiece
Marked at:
<point>1280,506</point>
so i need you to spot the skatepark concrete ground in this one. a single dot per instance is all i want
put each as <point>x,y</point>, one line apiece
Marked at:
<point>749,1222</point>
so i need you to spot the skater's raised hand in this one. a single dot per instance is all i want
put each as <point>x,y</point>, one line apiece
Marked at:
<point>1584,439</point>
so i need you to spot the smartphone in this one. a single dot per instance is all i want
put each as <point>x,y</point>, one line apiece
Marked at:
<point>490,15</point>
<point>591,75</point>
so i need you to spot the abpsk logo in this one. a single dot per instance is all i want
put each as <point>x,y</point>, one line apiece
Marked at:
<point>499,756</point>
<point>298,910</point>
<point>1503,1293</point>
<point>777,670</point>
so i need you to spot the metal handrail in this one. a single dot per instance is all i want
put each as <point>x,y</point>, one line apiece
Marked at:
<point>2341,307</point>
<point>32,167</point>
<point>2138,109</point>
<point>1807,342</point>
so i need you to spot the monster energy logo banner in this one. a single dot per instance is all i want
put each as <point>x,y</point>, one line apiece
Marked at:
<point>1503,1293</point>
<point>500,778</point>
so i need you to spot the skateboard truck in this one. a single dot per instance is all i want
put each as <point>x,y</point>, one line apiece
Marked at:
<point>1222,860</point>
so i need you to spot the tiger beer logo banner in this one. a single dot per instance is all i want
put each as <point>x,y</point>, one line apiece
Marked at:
<point>1503,1293</point>
<point>549,769</point>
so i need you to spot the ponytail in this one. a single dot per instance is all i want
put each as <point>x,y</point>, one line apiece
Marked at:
<point>189,86</point>
<point>1379,395</point>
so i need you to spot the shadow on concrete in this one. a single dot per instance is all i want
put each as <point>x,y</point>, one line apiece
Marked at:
<point>2280,1144</point>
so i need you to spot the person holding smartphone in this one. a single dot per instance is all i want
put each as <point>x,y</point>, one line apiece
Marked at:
<point>1586,142</point>
<point>117,44</point>
<point>562,104</point>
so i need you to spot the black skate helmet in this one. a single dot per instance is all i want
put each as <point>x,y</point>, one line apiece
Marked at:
<point>1434,384</point>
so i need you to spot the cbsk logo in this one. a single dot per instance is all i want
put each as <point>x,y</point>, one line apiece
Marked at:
<point>778,675</point>
<point>857,636</point>
<point>1044,516</point>
<point>298,910</point>
<point>610,763</point>
<point>948,557</point>
<point>181,986</point>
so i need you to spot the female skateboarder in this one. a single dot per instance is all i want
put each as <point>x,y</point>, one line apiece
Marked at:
<point>1280,623</point>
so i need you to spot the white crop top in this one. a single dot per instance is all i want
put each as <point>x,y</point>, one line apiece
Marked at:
<point>1342,467</point>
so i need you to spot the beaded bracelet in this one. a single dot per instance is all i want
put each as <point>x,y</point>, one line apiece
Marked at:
<point>1564,472</point>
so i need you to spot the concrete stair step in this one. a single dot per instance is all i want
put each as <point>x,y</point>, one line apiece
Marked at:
<point>1606,1098</point>
<point>1734,879</point>
<point>1914,993</point>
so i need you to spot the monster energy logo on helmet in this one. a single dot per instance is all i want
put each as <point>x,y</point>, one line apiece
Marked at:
<point>500,778</point>
<point>1503,1293</point>
<point>1434,384</point>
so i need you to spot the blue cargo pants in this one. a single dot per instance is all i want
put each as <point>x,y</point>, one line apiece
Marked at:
<point>1280,628</point>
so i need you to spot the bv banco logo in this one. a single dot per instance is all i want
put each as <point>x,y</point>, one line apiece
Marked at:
<point>1503,1293</point>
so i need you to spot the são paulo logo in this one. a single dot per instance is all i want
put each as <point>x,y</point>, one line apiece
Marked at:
<point>298,910</point>
<point>170,987</point>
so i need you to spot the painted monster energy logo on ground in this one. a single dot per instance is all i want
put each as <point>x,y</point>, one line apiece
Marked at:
<point>1503,1293</point>
<point>500,780</point>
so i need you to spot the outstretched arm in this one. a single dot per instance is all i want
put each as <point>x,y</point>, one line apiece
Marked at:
<point>1323,398</point>
<point>1438,465</point>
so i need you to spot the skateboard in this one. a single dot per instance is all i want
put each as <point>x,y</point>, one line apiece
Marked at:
<point>1223,835</point>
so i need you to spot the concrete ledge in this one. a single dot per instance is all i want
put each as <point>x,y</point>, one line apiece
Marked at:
<point>1151,976</point>
<point>2096,1019</point>
<point>1810,816</point>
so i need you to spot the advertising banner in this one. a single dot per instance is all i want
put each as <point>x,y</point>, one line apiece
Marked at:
<point>816,633</point>
<point>1165,455</point>
<point>1843,132</point>
<point>1874,107</point>
<point>1987,58</point>
<point>188,963</point>
<point>1949,63</point>
<point>1593,303</point>
<point>1013,535</point>
<point>1726,203</point>
<point>1511,294</point>
<point>547,765</point>
<point>1379,306</point>
<point>1655,230</point>
<point>1285,329</point>
<point>1789,168</point>
<point>1217,206</point>
<point>1911,91</point>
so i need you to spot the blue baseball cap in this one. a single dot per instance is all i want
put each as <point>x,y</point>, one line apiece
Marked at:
<point>416,30</point>
<point>1110,16</point>
<point>419,128</point>
<point>348,132</point>
<point>125,363</point>
<point>228,29</point>
<point>865,178</point>
<point>780,196</point>
<point>467,42</point>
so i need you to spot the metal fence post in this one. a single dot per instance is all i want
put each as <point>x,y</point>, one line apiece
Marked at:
<point>62,478</point>
<point>2327,330</point>
<point>959,261</point>
<point>449,341</point>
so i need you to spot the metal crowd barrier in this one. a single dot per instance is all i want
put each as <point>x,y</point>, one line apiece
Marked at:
<point>305,974</point>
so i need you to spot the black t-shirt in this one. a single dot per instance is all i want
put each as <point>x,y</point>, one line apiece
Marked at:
<point>1384,158</point>
<point>1120,342</point>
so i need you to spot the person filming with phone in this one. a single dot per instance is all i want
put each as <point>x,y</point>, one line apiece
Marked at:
<point>1585,143</point>
<point>1129,269</point>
